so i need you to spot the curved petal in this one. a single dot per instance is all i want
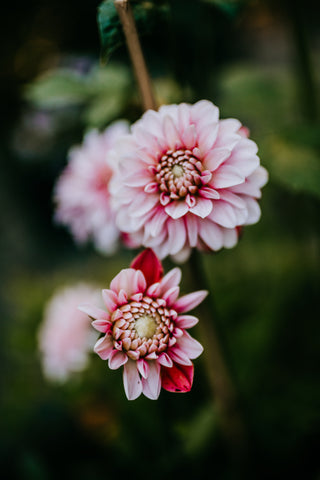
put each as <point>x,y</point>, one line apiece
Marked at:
<point>143,367</point>
<point>94,312</point>
<point>190,346</point>
<point>116,359</point>
<point>110,299</point>
<point>151,385</point>
<point>176,209</point>
<point>190,301</point>
<point>128,280</point>
<point>165,360</point>
<point>178,378</point>
<point>149,264</point>
<point>179,356</point>
<point>104,347</point>
<point>171,279</point>
<point>202,208</point>
<point>103,326</point>
<point>171,295</point>
<point>186,321</point>
<point>131,380</point>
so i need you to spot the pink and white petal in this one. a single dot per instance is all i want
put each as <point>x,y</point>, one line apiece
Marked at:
<point>254,211</point>
<point>189,301</point>
<point>171,279</point>
<point>171,133</point>
<point>207,137</point>
<point>117,359</point>
<point>215,157</point>
<point>171,295</point>
<point>176,209</point>
<point>183,117</point>
<point>230,237</point>
<point>186,321</point>
<point>209,193</point>
<point>224,214</point>
<point>178,378</point>
<point>151,385</point>
<point>138,179</point>
<point>227,176</point>
<point>94,312</point>
<point>131,380</point>
<point>165,360</point>
<point>104,347</point>
<point>103,326</point>
<point>211,234</point>
<point>176,235</point>
<point>154,290</point>
<point>110,299</point>
<point>192,229</point>
<point>233,199</point>
<point>143,367</point>
<point>155,224</point>
<point>202,208</point>
<point>142,204</point>
<point>179,356</point>
<point>128,280</point>
<point>190,346</point>
<point>189,136</point>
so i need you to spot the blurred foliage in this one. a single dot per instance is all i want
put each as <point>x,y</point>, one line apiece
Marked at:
<point>266,289</point>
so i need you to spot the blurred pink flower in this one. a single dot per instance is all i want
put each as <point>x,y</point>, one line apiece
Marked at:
<point>82,191</point>
<point>65,336</point>
<point>145,328</point>
<point>186,179</point>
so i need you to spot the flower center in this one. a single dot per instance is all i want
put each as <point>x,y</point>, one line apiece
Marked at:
<point>145,326</point>
<point>142,328</point>
<point>179,173</point>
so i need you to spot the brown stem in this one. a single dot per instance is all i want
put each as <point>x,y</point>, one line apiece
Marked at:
<point>133,43</point>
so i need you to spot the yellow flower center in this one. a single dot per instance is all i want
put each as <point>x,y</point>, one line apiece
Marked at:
<point>145,326</point>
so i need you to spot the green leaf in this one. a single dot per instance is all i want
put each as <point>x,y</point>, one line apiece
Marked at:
<point>57,88</point>
<point>146,13</point>
<point>293,165</point>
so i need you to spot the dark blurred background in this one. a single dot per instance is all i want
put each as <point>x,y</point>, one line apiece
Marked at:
<point>259,62</point>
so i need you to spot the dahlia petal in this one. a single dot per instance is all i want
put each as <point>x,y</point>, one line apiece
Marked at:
<point>229,125</point>
<point>254,211</point>
<point>209,193</point>
<point>104,347</point>
<point>176,209</point>
<point>178,378</point>
<point>189,301</point>
<point>122,297</point>
<point>138,179</point>
<point>186,321</point>
<point>142,204</point>
<point>165,360</point>
<point>151,385</point>
<point>164,199</point>
<point>176,236</point>
<point>227,176</point>
<point>94,312</point>
<point>140,283</point>
<point>143,367</point>
<point>179,356</point>
<point>190,346</point>
<point>154,290</point>
<point>232,198</point>
<point>216,157</point>
<point>151,187</point>
<point>155,224</point>
<point>245,161</point>
<point>129,281</point>
<point>204,112</point>
<point>171,279</point>
<point>224,214</point>
<point>192,229</point>
<point>202,208</point>
<point>116,359</point>
<point>189,136</point>
<point>171,133</point>
<point>183,117</point>
<point>103,326</point>
<point>131,380</point>
<point>230,237</point>
<point>211,234</point>
<point>207,137</point>
<point>171,295</point>
<point>150,266</point>
<point>110,299</point>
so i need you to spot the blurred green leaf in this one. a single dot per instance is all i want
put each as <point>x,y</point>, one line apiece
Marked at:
<point>293,165</point>
<point>57,88</point>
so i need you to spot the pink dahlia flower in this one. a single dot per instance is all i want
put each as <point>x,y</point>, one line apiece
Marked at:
<point>82,191</point>
<point>66,336</point>
<point>186,179</point>
<point>144,328</point>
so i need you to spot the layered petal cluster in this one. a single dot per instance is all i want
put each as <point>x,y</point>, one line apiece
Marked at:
<point>82,192</point>
<point>186,179</point>
<point>144,327</point>
<point>66,337</point>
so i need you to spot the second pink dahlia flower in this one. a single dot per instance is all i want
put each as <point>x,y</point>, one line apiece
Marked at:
<point>186,179</point>
<point>144,328</point>
<point>82,192</point>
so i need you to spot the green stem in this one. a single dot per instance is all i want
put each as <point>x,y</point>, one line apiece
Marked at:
<point>221,385</point>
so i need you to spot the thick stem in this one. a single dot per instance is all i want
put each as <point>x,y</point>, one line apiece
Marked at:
<point>133,43</point>
<point>222,388</point>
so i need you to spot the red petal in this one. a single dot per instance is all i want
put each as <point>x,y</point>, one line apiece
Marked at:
<point>178,378</point>
<point>150,265</point>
